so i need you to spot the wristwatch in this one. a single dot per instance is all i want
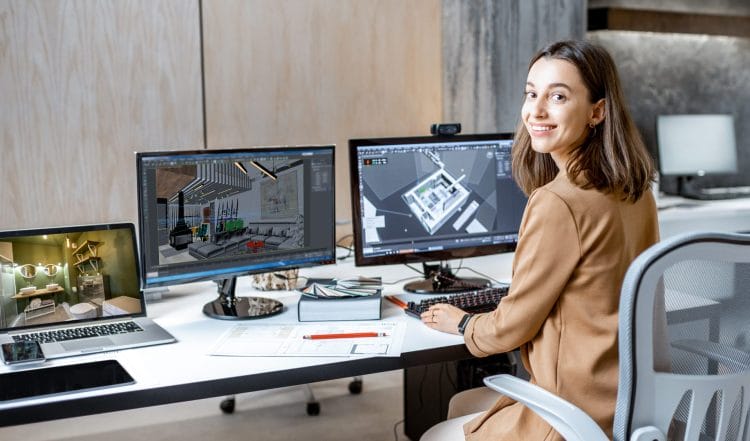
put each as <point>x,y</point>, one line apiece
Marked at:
<point>464,322</point>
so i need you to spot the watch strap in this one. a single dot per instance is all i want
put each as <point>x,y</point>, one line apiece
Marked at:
<point>464,322</point>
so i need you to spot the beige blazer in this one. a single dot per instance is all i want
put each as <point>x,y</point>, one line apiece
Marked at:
<point>573,250</point>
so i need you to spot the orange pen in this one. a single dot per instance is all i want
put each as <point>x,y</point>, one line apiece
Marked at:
<point>396,301</point>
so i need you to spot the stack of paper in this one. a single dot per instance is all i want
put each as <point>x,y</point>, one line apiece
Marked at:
<point>338,290</point>
<point>357,299</point>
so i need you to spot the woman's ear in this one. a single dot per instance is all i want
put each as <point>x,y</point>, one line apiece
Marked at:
<point>597,112</point>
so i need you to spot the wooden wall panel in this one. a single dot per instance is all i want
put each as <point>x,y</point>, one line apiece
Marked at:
<point>285,72</point>
<point>84,84</point>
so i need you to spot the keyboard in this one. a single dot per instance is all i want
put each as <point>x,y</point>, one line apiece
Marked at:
<point>718,193</point>
<point>480,300</point>
<point>58,335</point>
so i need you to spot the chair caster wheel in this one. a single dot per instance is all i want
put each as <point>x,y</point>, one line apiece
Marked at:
<point>227,405</point>
<point>355,387</point>
<point>313,409</point>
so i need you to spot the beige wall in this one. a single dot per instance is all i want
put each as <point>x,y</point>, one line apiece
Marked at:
<point>86,83</point>
<point>321,72</point>
<point>83,85</point>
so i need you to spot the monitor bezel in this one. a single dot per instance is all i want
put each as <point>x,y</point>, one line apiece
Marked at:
<point>230,273</point>
<point>404,258</point>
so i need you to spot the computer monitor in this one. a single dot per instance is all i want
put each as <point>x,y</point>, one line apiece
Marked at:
<point>219,214</point>
<point>695,145</point>
<point>434,198</point>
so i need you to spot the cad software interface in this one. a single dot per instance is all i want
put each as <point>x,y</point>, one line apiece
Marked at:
<point>210,213</point>
<point>430,197</point>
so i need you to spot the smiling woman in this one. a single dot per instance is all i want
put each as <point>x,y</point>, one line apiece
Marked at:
<point>578,156</point>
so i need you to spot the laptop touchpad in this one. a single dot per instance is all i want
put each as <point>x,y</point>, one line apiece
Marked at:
<point>89,343</point>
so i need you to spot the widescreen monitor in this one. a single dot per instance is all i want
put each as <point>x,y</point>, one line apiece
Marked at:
<point>696,145</point>
<point>434,198</point>
<point>219,214</point>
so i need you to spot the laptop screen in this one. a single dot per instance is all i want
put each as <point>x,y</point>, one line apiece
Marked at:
<point>68,274</point>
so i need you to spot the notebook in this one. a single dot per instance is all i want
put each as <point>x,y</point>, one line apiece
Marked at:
<point>79,283</point>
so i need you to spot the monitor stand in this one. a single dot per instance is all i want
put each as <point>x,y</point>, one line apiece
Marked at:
<point>230,307</point>
<point>439,279</point>
<point>686,187</point>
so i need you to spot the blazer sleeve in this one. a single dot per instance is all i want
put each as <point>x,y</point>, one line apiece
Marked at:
<point>547,254</point>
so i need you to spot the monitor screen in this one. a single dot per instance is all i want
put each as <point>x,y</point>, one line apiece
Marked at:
<point>217,214</point>
<point>696,145</point>
<point>427,198</point>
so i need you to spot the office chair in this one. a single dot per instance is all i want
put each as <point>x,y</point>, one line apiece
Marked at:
<point>683,342</point>
<point>313,405</point>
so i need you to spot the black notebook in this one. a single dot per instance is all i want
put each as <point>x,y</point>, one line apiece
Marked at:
<point>327,300</point>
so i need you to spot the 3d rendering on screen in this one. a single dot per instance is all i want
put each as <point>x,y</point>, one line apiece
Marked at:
<point>420,192</point>
<point>55,278</point>
<point>230,208</point>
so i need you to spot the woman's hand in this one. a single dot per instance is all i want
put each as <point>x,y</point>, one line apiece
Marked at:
<point>443,317</point>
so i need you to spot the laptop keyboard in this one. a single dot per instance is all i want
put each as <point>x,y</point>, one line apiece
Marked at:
<point>59,335</point>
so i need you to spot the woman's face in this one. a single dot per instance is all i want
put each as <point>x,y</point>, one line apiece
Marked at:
<point>557,110</point>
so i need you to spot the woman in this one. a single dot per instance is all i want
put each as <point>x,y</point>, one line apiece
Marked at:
<point>590,212</point>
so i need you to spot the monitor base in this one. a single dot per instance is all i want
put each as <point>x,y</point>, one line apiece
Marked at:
<point>426,286</point>
<point>243,308</point>
<point>230,307</point>
<point>439,279</point>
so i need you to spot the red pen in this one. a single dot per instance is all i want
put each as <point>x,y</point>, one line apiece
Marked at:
<point>347,335</point>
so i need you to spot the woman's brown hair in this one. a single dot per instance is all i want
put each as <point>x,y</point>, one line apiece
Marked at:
<point>613,158</point>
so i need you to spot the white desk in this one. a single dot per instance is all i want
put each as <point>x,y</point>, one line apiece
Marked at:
<point>183,371</point>
<point>679,215</point>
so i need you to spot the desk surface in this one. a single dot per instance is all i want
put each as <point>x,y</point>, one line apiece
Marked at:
<point>679,215</point>
<point>183,371</point>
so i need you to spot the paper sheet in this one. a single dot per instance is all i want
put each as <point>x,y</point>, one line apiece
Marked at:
<point>286,340</point>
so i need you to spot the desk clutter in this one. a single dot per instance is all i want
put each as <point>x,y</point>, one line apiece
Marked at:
<point>332,300</point>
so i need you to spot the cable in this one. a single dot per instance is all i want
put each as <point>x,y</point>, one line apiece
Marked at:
<point>400,280</point>
<point>342,238</point>
<point>395,431</point>
<point>414,269</point>
<point>483,275</point>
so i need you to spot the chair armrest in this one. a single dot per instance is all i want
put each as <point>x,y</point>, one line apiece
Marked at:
<point>730,357</point>
<point>568,420</point>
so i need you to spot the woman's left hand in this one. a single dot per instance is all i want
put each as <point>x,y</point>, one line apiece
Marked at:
<point>443,317</point>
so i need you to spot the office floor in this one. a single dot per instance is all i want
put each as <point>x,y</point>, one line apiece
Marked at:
<point>266,415</point>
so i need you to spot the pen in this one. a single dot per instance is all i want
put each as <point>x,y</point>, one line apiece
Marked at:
<point>396,301</point>
<point>347,335</point>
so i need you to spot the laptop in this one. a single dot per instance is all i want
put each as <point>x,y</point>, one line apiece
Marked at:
<point>76,290</point>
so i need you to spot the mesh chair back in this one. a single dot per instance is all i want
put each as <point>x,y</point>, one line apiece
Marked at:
<point>685,339</point>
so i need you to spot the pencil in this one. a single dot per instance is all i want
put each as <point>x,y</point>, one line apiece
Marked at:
<point>345,335</point>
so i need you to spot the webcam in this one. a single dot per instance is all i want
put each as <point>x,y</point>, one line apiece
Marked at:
<point>445,129</point>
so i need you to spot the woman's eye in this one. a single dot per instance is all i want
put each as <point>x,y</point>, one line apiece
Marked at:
<point>558,97</point>
<point>530,94</point>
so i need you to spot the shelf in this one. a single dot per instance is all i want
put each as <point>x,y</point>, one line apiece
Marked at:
<point>87,246</point>
<point>86,253</point>
<point>626,19</point>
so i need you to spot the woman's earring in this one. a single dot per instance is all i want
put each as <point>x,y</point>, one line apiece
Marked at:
<point>591,125</point>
